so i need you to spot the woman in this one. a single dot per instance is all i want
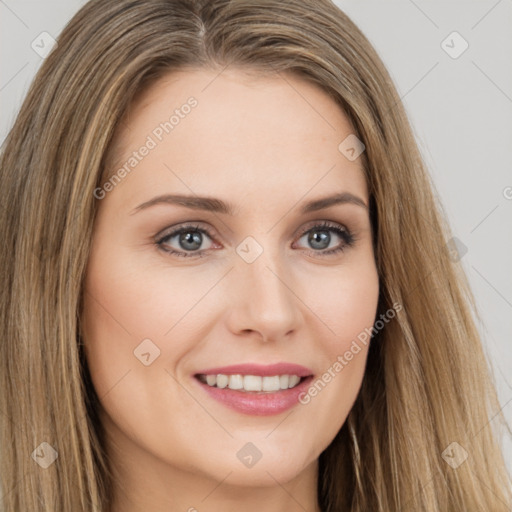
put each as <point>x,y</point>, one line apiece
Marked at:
<point>179,332</point>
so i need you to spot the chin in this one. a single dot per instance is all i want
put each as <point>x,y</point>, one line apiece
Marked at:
<point>271,467</point>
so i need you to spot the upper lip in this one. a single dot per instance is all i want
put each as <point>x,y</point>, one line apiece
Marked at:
<point>260,369</point>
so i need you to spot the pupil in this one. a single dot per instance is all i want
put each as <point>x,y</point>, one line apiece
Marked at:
<point>317,239</point>
<point>191,240</point>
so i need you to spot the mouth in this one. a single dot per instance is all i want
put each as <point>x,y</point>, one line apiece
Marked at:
<point>256,389</point>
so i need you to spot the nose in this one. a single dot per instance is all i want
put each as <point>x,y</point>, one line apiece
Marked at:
<point>263,298</point>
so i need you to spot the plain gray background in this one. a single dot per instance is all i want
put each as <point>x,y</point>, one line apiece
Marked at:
<point>459,102</point>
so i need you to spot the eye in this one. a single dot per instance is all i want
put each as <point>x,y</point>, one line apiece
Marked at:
<point>320,238</point>
<point>186,241</point>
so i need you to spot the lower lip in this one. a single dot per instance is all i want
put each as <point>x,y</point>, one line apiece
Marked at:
<point>258,403</point>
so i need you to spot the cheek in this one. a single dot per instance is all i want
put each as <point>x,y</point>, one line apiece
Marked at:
<point>346,306</point>
<point>127,303</point>
<point>344,302</point>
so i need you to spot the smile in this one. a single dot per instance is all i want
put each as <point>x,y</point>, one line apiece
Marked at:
<point>255,389</point>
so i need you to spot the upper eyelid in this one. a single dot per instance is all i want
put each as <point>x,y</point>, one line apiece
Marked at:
<point>172,231</point>
<point>323,223</point>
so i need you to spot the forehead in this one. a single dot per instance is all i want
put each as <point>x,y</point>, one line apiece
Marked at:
<point>208,129</point>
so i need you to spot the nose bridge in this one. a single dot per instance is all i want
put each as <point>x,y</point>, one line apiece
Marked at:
<point>265,302</point>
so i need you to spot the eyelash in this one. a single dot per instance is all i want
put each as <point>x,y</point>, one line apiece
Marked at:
<point>345,234</point>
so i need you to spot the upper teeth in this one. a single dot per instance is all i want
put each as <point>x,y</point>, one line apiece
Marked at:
<point>251,382</point>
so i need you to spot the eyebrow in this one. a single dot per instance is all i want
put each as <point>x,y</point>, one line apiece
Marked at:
<point>212,204</point>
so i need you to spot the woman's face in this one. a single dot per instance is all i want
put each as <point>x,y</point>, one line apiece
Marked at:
<point>248,268</point>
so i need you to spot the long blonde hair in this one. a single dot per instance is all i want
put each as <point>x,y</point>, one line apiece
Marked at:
<point>427,383</point>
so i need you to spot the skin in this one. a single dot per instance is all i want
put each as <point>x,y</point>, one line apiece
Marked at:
<point>266,144</point>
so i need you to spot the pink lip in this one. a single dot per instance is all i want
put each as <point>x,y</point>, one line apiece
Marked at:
<point>261,370</point>
<point>258,403</point>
